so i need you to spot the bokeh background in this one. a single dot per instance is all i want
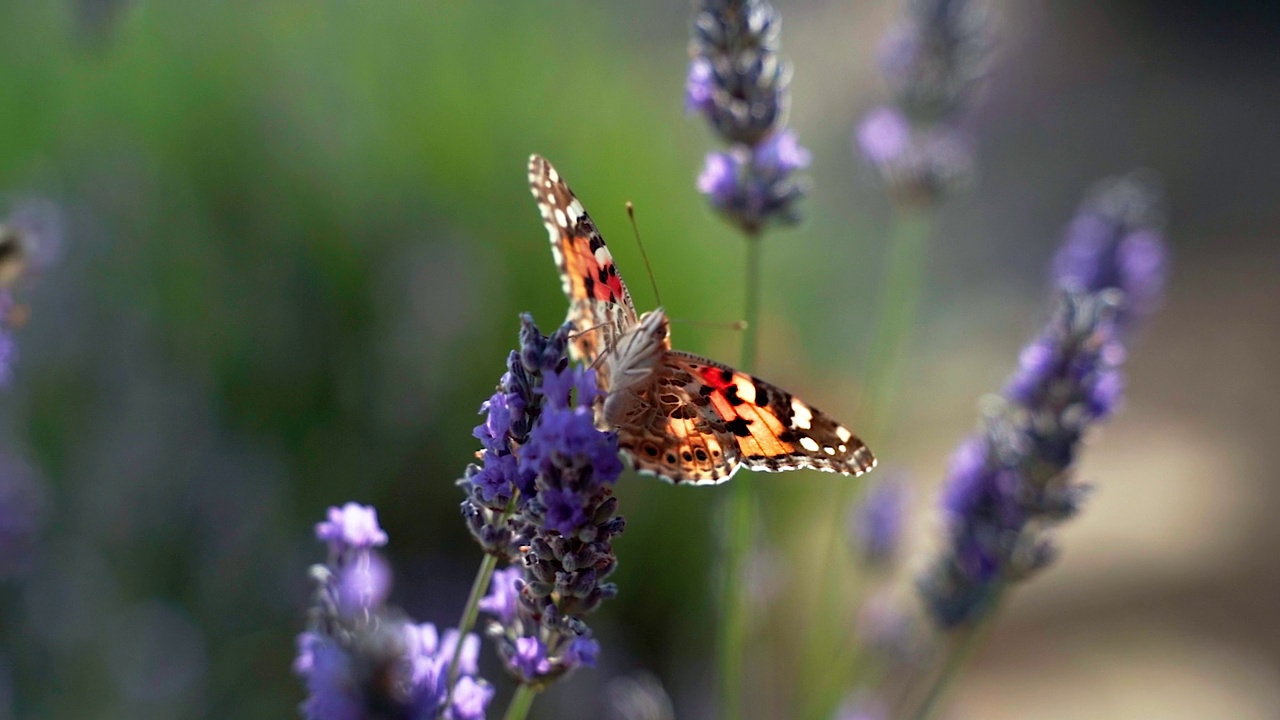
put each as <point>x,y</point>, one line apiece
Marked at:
<point>296,237</point>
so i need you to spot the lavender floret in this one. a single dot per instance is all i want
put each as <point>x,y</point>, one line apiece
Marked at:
<point>498,483</point>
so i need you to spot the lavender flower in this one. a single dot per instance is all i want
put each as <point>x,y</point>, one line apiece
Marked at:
<point>878,520</point>
<point>934,60</point>
<point>1010,482</point>
<point>737,81</point>
<point>562,515</point>
<point>361,659</point>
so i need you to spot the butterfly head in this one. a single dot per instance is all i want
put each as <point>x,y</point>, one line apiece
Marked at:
<point>655,326</point>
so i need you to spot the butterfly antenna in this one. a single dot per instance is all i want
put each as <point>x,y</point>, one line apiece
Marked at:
<point>737,326</point>
<point>631,213</point>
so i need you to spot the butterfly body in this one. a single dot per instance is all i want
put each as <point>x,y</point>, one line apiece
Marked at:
<point>684,418</point>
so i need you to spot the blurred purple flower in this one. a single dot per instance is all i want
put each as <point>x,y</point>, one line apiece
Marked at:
<point>884,136</point>
<point>934,60</point>
<point>737,80</point>
<point>529,659</point>
<point>700,87</point>
<point>878,520</point>
<point>21,516</point>
<point>363,584</point>
<point>8,346</point>
<point>936,56</point>
<point>1007,485</point>
<point>753,187</point>
<point>1115,242</point>
<point>361,659</point>
<point>350,528</point>
<point>504,593</point>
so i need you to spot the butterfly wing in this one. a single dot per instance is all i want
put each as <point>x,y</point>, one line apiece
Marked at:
<point>770,428</point>
<point>673,438</point>
<point>600,307</point>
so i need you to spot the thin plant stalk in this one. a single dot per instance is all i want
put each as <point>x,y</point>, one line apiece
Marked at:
<point>962,646</point>
<point>472,609</point>
<point>739,517</point>
<point>520,703</point>
<point>896,317</point>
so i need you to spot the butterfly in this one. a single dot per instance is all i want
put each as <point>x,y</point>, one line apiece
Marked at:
<point>681,417</point>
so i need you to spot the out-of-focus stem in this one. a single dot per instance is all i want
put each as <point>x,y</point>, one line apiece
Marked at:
<point>739,521</point>
<point>895,318</point>
<point>964,642</point>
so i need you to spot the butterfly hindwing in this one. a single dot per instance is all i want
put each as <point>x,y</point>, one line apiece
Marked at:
<point>600,308</point>
<point>773,430</point>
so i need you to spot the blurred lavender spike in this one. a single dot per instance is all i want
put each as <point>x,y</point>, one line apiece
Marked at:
<point>877,521</point>
<point>1014,479</point>
<point>21,516</point>
<point>936,56</point>
<point>934,60</point>
<point>1116,241</point>
<point>738,82</point>
<point>362,659</point>
<point>559,514</point>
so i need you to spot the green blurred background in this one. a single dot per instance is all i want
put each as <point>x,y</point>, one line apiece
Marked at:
<point>298,236</point>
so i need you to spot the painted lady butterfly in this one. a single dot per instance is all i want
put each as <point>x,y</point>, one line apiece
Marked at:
<point>681,417</point>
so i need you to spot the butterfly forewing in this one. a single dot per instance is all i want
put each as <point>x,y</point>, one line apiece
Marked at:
<point>600,307</point>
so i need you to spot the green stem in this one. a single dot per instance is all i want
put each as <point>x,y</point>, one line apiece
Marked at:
<point>895,318</point>
<point>896,315</point>
<point>752,308</point>
<point>520,703</point>
<point>471,611</point>
<point>739,521</point>
<point>963,643</point>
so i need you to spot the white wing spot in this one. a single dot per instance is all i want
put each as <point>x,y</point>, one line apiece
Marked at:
<point>844,448</point>
<point>829,450</point>
<point>551,173</point>
<point>560,218</point>
<point>746,391</point>
<point>602,255</point>
<point>574,211</point>
<point>809,444</point>
<point>843,433</point>
<point>802,417</point>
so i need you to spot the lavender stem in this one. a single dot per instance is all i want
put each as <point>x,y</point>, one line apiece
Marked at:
<point>964,642</point>
<point>520,703</point>
<point>472,609</point>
